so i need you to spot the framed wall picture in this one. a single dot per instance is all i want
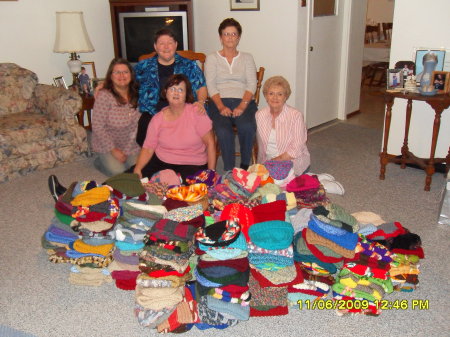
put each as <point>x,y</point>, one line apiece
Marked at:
<point>59,82</point>
<point>394,79</point>
<point>440,80</point>
<point>244,5</point>
<point>419,53</point>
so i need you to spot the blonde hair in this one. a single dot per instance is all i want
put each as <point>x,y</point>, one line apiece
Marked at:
<point>277,81</point>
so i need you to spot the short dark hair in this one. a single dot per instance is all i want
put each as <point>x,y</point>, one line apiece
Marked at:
<point>175,80</point>
<point>162,32</point>
<point>230,22</point>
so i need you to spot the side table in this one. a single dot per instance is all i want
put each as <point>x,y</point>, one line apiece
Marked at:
<point>439,103</point>
<point>86,108</point>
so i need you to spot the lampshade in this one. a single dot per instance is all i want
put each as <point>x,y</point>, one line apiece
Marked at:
<point>71,34</point>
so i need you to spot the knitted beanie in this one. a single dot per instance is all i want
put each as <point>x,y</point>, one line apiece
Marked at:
<point>364,217</point>
<point>127,183</point>
<point>289,197</point>
<point>158,298</point>
<point>260,170</point>
<point>221,233</point>
<point>346,239</point>
<point>233,310</point>
<point>302,183</point>
<point>239,213</point>
<point>184,213</point>
<point>250,181</point>
<point>279,278</point>
<point>268,188</point>
<point>337,216</point>
<point>191,193</point>
<point>169,177</point>
<point>275,210</point>
<point>272,235</point>
<point>212,317</point>
<point>93,196</point>
<point>82,247</point>
<point>387,230</point>
<point>314,241</point>
<point>208,177</point>
<point>278,169</point>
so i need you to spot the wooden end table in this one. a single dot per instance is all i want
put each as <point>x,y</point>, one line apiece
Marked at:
<point>439,103</point>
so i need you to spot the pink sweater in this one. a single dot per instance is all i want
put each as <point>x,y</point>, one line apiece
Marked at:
<point>291,136</point>
<point>179,141</point>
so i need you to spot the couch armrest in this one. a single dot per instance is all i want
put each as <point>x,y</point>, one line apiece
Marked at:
<point>58,103</point>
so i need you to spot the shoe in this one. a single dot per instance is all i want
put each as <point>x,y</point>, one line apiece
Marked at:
<point>56,189</point>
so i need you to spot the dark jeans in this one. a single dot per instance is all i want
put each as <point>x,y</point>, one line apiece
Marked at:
<point>155,165</point>
<point>223,127</point>
<point>143,123</point>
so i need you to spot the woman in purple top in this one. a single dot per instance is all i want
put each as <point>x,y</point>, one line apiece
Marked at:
<point>115,119</point>
<point>178,137</point>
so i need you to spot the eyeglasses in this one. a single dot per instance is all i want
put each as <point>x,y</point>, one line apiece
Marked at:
<point>230,34</point>
<point>125,72</point>
<point>174,89</point>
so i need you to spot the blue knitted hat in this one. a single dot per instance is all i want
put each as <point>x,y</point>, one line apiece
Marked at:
<point>344,239</point>
<point>275,234</point>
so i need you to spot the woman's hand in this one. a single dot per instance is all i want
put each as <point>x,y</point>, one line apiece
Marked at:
<point>119,155</point>
<point>98,88</point>
<point>200,107</point>
<point>138,172</point>
<point>226,112</point>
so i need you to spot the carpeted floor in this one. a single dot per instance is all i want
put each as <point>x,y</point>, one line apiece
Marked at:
<point>37,298</point>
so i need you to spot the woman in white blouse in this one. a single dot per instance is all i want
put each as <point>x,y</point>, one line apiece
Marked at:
<point>281,131</point>
<point>231,81</point>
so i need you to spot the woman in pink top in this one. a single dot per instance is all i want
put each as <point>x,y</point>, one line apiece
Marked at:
<point>281,131</point>
<point>178,137</point>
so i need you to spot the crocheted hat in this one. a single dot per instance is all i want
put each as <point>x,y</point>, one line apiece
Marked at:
<point>272,234</point>
<point>345,239</point>
<point>191,193</point>
<point>275,210</point>
<point>250,181</point>
<point>278,169</point>
<point>260,171</point>
<point>221,233</point>
<point>170,177</point>
<point>208,177</point>
<point>127,183</point>
<point>243,214</point>
<point>93,196</point>
<point>337,216</point>
<point>302,183</point>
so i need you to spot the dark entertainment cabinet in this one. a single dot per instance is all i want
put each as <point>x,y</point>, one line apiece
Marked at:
<point>121,6</point>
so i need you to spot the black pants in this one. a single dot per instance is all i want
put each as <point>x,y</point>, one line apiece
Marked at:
<point>143,123</point>
<point>155,165</point>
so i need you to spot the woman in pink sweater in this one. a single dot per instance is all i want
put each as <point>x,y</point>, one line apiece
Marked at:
<point>178,137</point>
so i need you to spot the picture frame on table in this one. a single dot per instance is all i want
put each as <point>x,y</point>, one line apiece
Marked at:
<point>441,81</point>
<point>394,79</point>
<point>86,77</point>
<point>244,5</point>
<point>59,82</point>
<point>419,53</point>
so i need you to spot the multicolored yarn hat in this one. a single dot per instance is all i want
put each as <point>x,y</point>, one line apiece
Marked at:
<point>191,193</point>
<point>260,170</point>
<point>272,234</point>
<point>221,233</point>
<point>250,181</point>
<point>240,213</point>
<point>208,177</point>
<point>278,169</point>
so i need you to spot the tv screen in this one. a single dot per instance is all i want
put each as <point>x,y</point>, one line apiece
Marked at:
<point>137,31</point>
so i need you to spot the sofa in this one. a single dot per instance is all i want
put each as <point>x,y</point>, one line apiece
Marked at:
<point>38,129</point>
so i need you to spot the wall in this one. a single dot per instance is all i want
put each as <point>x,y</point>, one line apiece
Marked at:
<point>27,28</point>
<point>417,28</point>
<point>270,34</point>
<point>380,10</point>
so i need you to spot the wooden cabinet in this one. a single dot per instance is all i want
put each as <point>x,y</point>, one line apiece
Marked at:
<point>123,6</point>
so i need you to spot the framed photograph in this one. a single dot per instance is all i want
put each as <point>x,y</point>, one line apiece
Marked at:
<point>418,58</point>
<point>244,5</point>
<point>394,79</point>
<point>59,82</point>
<point>440,80</point>
<point>86,77</point>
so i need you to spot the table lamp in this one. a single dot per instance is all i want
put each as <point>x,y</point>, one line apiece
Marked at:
<point>72,37</point>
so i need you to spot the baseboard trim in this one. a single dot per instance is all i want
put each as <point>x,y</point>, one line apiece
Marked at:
<point>353,114</point>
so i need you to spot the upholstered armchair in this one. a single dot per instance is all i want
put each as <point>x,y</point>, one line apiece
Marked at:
<point>38,129</point>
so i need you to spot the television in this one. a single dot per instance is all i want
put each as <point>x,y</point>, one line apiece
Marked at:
<point>138,29</point>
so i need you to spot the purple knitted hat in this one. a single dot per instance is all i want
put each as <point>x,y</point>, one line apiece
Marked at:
<point>278,169</point>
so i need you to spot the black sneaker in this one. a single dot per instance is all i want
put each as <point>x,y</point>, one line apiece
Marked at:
<point>56,189</point>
